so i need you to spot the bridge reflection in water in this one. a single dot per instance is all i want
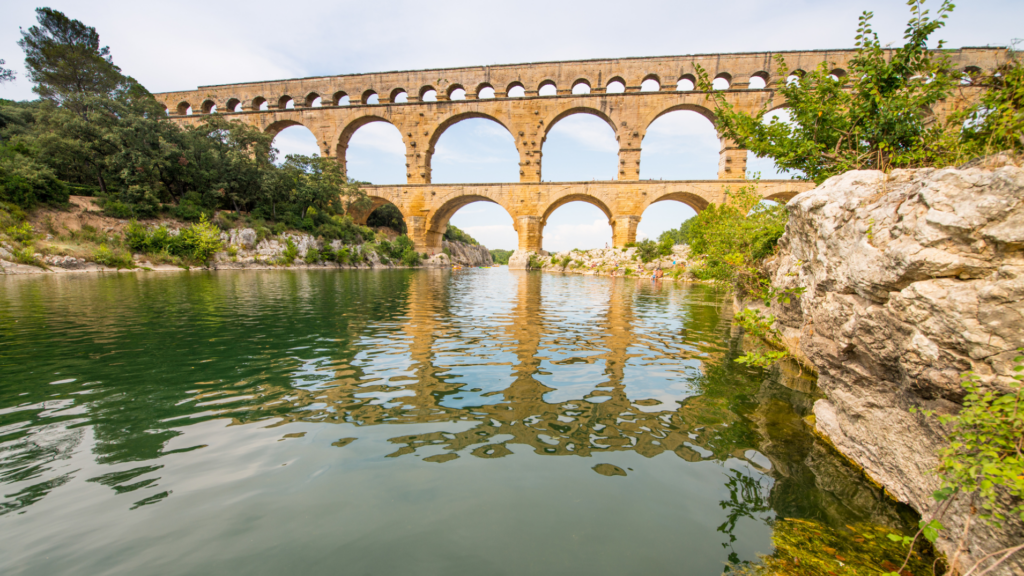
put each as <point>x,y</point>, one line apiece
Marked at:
<point>408,405</point>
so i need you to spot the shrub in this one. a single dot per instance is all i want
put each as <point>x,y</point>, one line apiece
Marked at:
<point>21,233</point>
<point>279,228</point>
<point>112,258</point>
<point>410,257</point>
<point>500,256</point>
<point>454,234</point>
<point>291,252</point>
<point>27,256</point>
<point>148,241</point>
<point>313,256</point>
<point>198,242</point>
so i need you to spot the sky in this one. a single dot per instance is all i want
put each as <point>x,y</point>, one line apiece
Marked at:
<point>181,46</point>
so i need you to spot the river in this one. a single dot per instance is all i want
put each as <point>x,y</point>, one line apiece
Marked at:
<point>396,422</point>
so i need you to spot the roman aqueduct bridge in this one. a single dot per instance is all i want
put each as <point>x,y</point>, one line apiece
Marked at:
<point>627,93</point>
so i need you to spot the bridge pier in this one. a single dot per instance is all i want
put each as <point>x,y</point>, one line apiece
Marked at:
<point>732,160</point>
<point>624,230</point>
<point>531,233</point>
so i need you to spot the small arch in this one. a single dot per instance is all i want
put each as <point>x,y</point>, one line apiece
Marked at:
<point>615,86</point>
<point>260,103</point>
<point>516,90</point>
<point>838,73</point>
<point>795,76</point>
<point>339,99</point>
<point>758,81</point>
<point>581,86</point>
<point>399,96</point>
<point>485,90</point>
<point>286,103</point>
<point>370,97</point>
<point>313,100</point>
<point>209,107</point>
<point>686,83</point>
<point>722,82</point>
<point>651,83</point>
<point>783,197</point>
<point>456,92</point>
<point>970,76</point>
<point>428,94</point>
<point>164,107</point>
<point>184,109</point>
<point>234,105</point>
<point>547,88</point>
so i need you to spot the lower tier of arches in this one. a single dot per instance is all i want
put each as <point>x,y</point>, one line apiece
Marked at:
<point>427,208</point>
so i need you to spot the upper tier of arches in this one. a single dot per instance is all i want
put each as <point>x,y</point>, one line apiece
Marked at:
<point>751,71</point>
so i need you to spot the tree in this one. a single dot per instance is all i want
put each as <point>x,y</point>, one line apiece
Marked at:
<point>879,117</point>
<point>318,182</point>
<point>65,60</point>
<point>6,74</point>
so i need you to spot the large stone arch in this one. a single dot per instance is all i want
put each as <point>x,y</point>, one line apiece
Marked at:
<point>575,197</point>
<point>377,200</point>
<point>437,223</point>
<point>345,135</point>
<point>695,201</point>
<point>702,110</point>
<point>577,109</point>
<point>447,123</point>
<point>275,128</point>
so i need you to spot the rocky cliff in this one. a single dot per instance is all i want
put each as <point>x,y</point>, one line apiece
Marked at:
<point>468,254</point>
<point>911,279</point>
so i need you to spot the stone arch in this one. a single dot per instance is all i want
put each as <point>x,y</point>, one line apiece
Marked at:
<point>692,200</point>
<point>545,83</point>
<point>337,98</point>
<point>343,138</point>
<point>763,75</point>
<point>562,201</point>
<point>257,102</point>
<point>513,85</point>
<point>183,108</point>
<point>612,80</point>
<point>275,127</point>
<point>651,78</point>
<point>360,216</point>
<point>481,87</point>
<point>424,89</point>
<point>233,104</point>
<point>683,80</point>
<point>438,221</point>
<point>705,112</point>
<point>209,106</point>
<point>452,88</point>
<point>782,197</point>
<point>396,93</point>
<point>455,119</point>
<point>581,82</point>
<point>549,123</point>
<point>282,102</point>
<point>310,98</point>
<point>365,98</point>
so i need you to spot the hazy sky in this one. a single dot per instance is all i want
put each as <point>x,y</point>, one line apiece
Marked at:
<point>178,46</point>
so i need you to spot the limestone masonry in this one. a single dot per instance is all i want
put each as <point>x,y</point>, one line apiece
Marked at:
<point>423,104</point>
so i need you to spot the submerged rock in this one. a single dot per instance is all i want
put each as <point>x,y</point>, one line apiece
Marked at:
<point>910,279</point>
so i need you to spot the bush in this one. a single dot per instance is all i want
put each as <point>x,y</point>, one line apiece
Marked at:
<point>22,233</point>
<point>453,234</point>
<point>198,242</point>
<point>313,256</point>
<point>501,256</point>
<point>148,241</point>
<point>112,258</point>
<point>291,252</point>
<point>410,257</point>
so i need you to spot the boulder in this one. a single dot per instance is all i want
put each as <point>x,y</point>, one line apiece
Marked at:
<point>910,279</point>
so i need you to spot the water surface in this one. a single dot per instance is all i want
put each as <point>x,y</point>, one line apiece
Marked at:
<point>395,422</point>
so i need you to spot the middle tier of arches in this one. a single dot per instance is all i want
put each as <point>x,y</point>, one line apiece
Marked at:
<point>528,121</point>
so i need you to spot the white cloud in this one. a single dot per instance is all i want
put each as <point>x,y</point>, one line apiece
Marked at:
<point>559,237</point>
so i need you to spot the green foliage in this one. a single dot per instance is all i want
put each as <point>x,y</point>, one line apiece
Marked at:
<point>21,233</point>
<point>27,256</point>
<point>313,256</point>
<point>115,258</point>
<point>387,216</point>
<point>534,262</point>
<point>6,74</point>
<point>197,242</point>
<point>733,238</point>
<point>64,58</point>
<point>761,326</point>
<point>501,256</point>
<point>290,253</point>
<point>648,249</point>
<point>877,117</point>
<point>986,446</point>
<point>454,234</point>
<point>996,123</point>
<point>677,235</point>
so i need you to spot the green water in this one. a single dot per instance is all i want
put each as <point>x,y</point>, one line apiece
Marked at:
<point>395,422</point>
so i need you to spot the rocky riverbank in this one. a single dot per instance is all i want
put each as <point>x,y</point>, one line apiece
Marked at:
<point>607,262</point>
<point>910,279</point>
